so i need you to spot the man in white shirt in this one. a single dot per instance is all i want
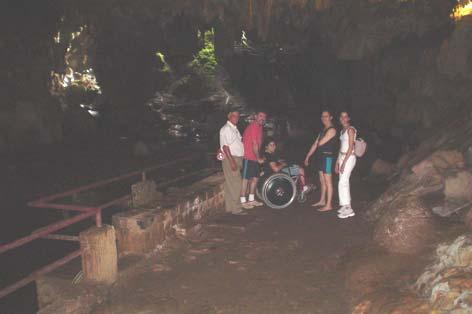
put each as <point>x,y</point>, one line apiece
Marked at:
<point>232,146</point>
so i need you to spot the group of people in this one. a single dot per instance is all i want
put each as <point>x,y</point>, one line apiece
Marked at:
<point>326,144</point>
<point>241,162</point>
<point>243,159</point>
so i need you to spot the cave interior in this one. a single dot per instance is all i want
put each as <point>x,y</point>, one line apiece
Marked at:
<point>82,76</point>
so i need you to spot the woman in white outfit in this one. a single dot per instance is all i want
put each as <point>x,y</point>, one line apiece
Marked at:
<point>345,164</point>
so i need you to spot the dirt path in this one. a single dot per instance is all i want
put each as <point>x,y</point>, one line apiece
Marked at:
<point>269,261</point>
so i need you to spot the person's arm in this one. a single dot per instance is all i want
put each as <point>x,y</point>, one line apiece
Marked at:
<point>351,133</point>
<point>276,166</point>
<point>311,151</point>
<point>255,149</point>
<point>328,136</point>
<point>273,165</point>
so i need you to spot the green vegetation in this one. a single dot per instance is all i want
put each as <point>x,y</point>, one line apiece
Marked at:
<point>199,79</point>
<point>205,62</point>
<point>203,67</point>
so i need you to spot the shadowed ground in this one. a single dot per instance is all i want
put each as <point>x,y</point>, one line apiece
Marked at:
<point>270,261</point>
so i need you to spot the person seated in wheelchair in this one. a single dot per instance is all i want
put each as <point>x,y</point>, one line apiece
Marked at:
<point>273,164</point>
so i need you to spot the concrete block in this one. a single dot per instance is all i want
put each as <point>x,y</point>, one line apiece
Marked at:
<point>144,192</point>
<point>139,231</point>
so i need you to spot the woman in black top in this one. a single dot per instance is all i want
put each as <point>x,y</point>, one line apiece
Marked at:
<point>326,145</point>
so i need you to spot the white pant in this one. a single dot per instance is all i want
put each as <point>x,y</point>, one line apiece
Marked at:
<point>344,189</point>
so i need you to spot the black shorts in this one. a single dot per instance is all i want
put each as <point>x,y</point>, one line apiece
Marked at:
<point>250,169</point>
<point>325,164</point>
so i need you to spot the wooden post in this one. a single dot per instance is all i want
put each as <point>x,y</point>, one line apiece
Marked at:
<point>99,254</point>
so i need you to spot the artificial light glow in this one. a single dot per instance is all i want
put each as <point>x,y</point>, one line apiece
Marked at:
<point>74,35</point>
<point>57,38</point>
<point>244,39</point>
<point>94,113</point>
<point>86,80</point>
<point>162,58</point>
<point>462,10</point>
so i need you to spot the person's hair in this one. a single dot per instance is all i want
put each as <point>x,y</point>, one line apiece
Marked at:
<point>260,111</point>
<point>269,140</point>
<point>345,111</point>
<point>231,112</point>
<point>326,110</point>
<point>348,114</point>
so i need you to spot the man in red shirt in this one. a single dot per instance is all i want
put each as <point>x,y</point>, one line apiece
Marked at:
<point>252,140</point>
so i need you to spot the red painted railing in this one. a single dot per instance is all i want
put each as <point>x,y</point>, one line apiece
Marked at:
<point>84,212</point>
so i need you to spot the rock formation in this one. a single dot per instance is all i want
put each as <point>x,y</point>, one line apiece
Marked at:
<point>400,63</point>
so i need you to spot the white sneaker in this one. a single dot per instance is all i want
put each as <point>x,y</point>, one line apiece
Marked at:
<point>343,209</point>
<point>346,214</point>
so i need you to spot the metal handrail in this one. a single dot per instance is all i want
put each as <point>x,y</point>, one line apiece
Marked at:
<point>84,212</point>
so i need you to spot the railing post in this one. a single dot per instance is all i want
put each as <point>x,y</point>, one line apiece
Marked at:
<point>99,254</point>
<point>98,217</point>
<point>98,244</point>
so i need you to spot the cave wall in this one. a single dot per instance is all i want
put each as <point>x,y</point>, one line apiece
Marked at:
<point>392,62</point>
<point>28,113</point>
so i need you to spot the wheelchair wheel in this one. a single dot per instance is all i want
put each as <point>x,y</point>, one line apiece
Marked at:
<point>279,191</point>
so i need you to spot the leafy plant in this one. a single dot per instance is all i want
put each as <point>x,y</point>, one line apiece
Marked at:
<point>205,62</point>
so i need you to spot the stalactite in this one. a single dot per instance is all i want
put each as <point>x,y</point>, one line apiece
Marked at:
<point>299,3</point>
<point>265,18</point>
<point>250,21</point>
<point>322,4</point>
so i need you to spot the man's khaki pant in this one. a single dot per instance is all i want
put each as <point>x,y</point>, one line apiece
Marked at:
<point>232,186</point>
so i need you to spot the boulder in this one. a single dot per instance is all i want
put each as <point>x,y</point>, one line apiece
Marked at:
<point>382,168</point>
<point>447,282</point>
<point>459,186</point>
<point>403,161</point>
<point>409,185</point>
<point>447,159</point>
<point>406,228</point>
<point>423,168</point>
<point>365,274</point>
<point>439,162</point>
<point>391,301</point>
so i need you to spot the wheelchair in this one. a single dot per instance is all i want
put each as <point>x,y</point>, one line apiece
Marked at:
<point>279,190</point>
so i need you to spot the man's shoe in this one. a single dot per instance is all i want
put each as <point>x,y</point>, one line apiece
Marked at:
<point>255,203</point>
<point>239,213</point>
<point>247,205</point>
<point>346,214</point>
